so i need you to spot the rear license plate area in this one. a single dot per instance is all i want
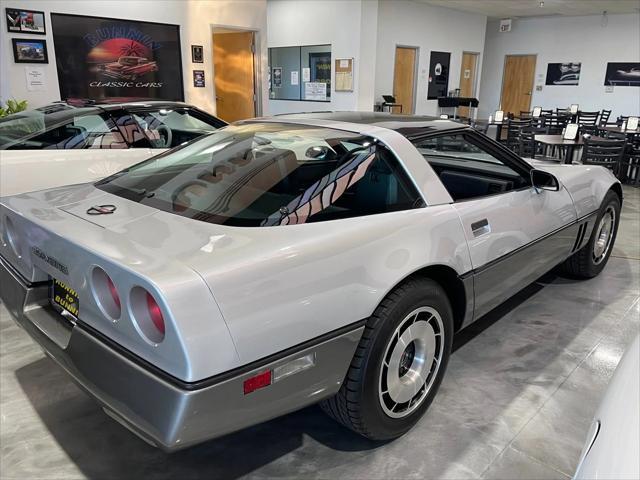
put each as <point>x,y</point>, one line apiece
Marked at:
<point>64,298</point>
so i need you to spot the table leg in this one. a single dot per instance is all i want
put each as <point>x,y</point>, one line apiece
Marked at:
<point>499,132</point>
<point>568,159</point>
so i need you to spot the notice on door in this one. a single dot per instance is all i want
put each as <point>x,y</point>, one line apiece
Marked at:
<point>294,77</point>
<point>315,91</point>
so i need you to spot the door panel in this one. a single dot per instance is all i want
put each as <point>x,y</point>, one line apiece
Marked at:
<point>404,77</point>
<point>467,79</point>
<point>501,231</point>
<point>517,83</point>
<point>234,75</point>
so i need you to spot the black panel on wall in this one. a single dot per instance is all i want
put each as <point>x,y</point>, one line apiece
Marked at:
<point>99,58</point>
<point>438,75</point>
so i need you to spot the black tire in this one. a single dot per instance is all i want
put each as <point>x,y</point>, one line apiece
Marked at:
<point>358,405</point>
<point>583,263</point>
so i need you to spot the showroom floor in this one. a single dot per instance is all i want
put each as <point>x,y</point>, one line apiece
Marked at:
<point>517,401</point>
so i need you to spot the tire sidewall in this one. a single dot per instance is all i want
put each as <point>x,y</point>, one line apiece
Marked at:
<point>610,199</point>
<point>379,423</point>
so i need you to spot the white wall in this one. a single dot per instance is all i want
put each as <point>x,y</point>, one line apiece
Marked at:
<point>566,39</point>
<point>343,24</point>
<point>195,18</point>
<point>430,28</point>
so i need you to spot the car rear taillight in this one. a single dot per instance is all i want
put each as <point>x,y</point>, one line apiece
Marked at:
<point>105,294</point>
<point>155,313</point>
<point>147,315</point>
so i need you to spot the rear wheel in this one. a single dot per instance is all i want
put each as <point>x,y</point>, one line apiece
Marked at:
<point>592,258</point>
<point>399,363</point>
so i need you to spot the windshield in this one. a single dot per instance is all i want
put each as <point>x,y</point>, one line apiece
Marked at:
<point>264,174</point>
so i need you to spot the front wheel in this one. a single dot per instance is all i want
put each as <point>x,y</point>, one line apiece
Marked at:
<point>592,258</point>
<point>399,363</point>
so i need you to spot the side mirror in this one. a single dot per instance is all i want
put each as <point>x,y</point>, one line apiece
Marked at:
<point>542,180</point>
<point>317,153</point>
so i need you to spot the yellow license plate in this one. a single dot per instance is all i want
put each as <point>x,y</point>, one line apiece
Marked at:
<point>65,297</point>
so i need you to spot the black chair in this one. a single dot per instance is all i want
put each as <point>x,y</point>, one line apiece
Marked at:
<point>622,118</point>
<point>528,147</point>
<point>588,118</point>
<point>606,153</point>
<point>525,115</point>
<point>556,123</point>
<point>514,127</point>
<point>630,166</point>
<point>604,117</point>
<point>592,130</point>
<point>546,112</point>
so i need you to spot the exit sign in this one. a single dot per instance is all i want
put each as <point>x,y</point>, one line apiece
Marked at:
<point>505,25</point>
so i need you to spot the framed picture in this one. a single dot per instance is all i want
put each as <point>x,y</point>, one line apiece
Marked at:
<point>99,58</point>
<point>196,54</point>
<point>25,21</point>
<point>438,75</point>
<point>29,50</point>
<point>625,74</point>
<point>563,73</point>
<point>198,78</point>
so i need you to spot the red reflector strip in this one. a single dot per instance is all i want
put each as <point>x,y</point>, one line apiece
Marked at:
<point>259,381</point>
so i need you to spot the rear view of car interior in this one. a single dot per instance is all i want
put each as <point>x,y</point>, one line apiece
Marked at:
<point>356,239</point>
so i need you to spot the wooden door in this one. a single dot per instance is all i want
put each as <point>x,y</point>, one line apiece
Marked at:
<point>517,83</point>
<point>234,75</point>
<point>467,79</point>
<point>404,77</point>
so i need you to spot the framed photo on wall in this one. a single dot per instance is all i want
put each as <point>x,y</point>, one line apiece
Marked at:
<point>29,50</point>
<point>563,73</point>
<point>198,78</point>
<point>25,21</point>
<point>438,75</point>
<point>197,54</point>
<point>625,74</point>
<point>99,58</point>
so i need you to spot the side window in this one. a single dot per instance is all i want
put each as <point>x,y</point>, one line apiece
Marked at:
<point>371,182</point>
<point>85,131</point>
<point>170,128</point>
<point>466,169</point>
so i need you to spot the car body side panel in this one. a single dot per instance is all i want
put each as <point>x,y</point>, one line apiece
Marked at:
<point>30,170</point>
<point>278,287</point>
<point>587,184</point>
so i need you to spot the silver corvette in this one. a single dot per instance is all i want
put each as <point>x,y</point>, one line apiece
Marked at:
<point>286,261</point>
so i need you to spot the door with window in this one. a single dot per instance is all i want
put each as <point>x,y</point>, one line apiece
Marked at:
<point>515,233</point>
<point>517,83</point>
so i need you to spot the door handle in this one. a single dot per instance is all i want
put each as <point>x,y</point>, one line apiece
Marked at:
<point>481,227</point>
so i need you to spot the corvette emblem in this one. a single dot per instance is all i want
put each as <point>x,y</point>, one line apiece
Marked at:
<point>101,210</point>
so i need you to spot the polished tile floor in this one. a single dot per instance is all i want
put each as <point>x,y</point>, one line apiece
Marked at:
<point>516,402</point>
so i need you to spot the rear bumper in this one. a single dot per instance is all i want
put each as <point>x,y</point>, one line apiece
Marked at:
<point>164,411</point>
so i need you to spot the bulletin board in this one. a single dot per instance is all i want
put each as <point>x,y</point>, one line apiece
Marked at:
<point>344,75</point>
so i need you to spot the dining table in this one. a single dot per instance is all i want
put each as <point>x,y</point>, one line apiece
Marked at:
<point>618,129</point>
<point>569,146</point>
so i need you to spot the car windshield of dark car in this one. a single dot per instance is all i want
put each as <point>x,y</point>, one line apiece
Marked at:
<point>22,129</point>
<point>266,174</point>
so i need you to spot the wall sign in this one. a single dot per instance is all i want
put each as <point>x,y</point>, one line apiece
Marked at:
<point>35,78</point>
<point>28,50</point>
<point>505,25</point>
<point>623,74</point>
<point>315,91</point>
<point>105,57</point>
<point>563,73</point>
<point>438,75</point>
<point>25,21</point>
<point>198,78</point>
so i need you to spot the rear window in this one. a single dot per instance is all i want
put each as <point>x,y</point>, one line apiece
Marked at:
<point>269,174</point>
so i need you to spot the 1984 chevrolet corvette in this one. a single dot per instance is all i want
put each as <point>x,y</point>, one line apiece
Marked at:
<point>291,260</point>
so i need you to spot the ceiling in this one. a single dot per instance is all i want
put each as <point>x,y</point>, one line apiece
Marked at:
<point>495,9</point>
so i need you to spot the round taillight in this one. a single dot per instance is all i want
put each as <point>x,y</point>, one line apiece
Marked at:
<point>147,315</point>
<point>105,294</point>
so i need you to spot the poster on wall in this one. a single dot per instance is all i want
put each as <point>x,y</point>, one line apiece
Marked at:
<point>320,65</point>
<point>625,74</point>
<point>100,58</point>
<point>25,21</point>
<point>438,75</point>
<point>563,73</point>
